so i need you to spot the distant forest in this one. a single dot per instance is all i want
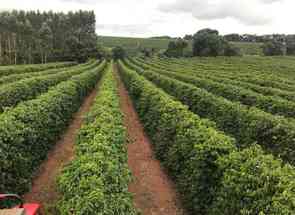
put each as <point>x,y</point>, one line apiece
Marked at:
<point>35,37</point>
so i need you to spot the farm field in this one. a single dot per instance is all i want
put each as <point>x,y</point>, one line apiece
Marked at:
<point>35,118</point>
<point>213,146</point>
<point>250,48</point>
<point>132,45</point>
<point>234,108</point>
<point>151,135</point>
<point>147,107</point>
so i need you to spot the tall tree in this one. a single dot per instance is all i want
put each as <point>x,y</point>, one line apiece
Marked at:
<point>45,38</point>
<point>176,48</point>
<point>208,42</point>
<point>273,48</point>
<point>35,37</point>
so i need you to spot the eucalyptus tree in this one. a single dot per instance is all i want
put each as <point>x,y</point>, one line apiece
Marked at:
<point>39,37</point>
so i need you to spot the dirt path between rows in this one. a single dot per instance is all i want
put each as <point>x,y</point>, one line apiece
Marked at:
<point>44,187</point>
<point>154,193</point>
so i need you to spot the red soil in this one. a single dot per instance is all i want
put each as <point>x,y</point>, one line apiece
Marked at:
<point>154,193</point>
<point>44,187</point>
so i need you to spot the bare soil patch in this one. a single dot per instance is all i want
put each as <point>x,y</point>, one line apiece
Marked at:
<point>154,193</point>
<point>43,188</point>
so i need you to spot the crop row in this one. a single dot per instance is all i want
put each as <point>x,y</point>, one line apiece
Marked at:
<point>29,130</point>
<point>13,78</point>
<point>19,69</point>
<point>260,80</point>
<point>271,104</point>
<point>225,72</point>
<point>247,124</point>
<point>269,71</point>
<point>96,181</point>
<point>223,79</point>
<point>12,94</point>
<point>213,176</point>
<point>265,90</point>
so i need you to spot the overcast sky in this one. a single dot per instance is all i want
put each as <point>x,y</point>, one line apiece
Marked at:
<point>145,18</point>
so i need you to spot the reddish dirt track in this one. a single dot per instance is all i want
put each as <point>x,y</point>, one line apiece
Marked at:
<point>44,187</point>
<point>154,193</point>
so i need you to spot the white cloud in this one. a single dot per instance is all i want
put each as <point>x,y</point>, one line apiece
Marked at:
<point>121,29</point>
<point>248,12</point>
<point>270,1</point>
<point>81,1</point>
<point>175,17</point>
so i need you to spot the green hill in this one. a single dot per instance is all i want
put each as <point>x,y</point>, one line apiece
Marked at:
<point>133,45</point>
<point>249,48</point>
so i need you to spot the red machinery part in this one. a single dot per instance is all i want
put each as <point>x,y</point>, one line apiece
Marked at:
<point>30,208</point>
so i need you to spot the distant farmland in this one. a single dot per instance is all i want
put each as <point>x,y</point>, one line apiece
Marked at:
<point>249,48</point>
<point>132,45</point>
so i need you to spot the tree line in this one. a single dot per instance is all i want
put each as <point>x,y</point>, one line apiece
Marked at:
<point>273,44</point>
<point>39,37</point>
<point>206,42</point>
